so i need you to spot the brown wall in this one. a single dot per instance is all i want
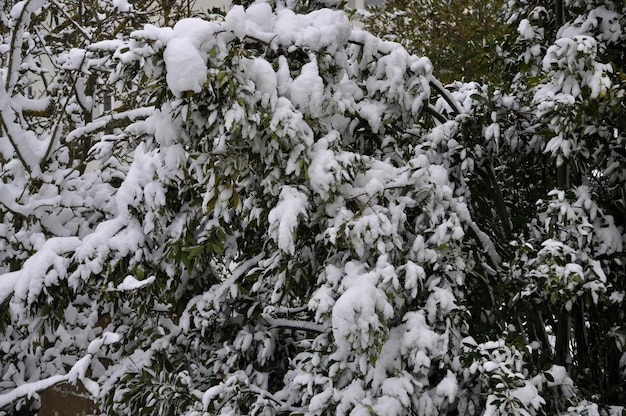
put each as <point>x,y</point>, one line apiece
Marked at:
<point>65,400</point>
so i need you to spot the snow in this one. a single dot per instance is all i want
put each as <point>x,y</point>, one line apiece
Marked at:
<point>448,387</point>
<point>29,389</point>
<point>420,341</point>
<point>73,60</point>
<point>7,285</point>
<point>186,68</point>
<point>78,370</point>
<point>29,147</point>
<point>324,170</point>
<point>374,326</point>
<point>320,29</point>
<point>27,283</point>
<point>159,124</point>
<point>320,400</point>
<point>142,171</point>
<point>307,90</point>
<point>349,397</point>
<point>385,405</point>
<point>373,112</point>
<point>186,53</point>
<point>440,301</point>
<point>255,21</point>
<point>261,73</point>
<point>607,21</point>
<point>26,104</point>
<point>617,297</point>
<point>131,283</point>
<point>24,8</point>
<point>185,59</point>
<point>283,218</point>
<point>356,316</point>
<point>526,30</point>
<point>559,374</point>
<point>122,5</point>
<point>150,32</point>
<point>414,277</point>
<point>76,373</point>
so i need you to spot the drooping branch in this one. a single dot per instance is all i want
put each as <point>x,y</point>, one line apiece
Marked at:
<point>12,130</point>
<point>15,50</point>
<point>114,120</point>
<point>430,110</point>
<point>445,94</point>
<point>28,389</point>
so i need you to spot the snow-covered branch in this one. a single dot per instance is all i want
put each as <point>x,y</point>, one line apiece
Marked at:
<point>76,373</point>
<point>295,324</point>
<point>109,120</point>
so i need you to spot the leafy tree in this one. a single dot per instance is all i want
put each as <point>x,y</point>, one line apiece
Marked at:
<point>550,180</point>
<point>460,37</point>
<point>54,93</point>
<point>273,184</point>
<point>295,217</point>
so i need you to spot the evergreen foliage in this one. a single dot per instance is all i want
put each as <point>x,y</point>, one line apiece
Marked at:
<point>286,215</point>
<point>461,38</point>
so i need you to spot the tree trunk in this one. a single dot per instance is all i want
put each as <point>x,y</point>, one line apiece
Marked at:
<point>562,334</point>
<point>559,13</point>
<point>583,366</point>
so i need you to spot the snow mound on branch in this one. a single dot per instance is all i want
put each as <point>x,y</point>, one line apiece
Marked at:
<point>42,269</point>
<point>184,59</point>
<point>261,73</point>
<point>360,311</point>
<point>131,283</point>
<point>186,69</point>
<point>324,169</point>
<point>320,29</point>
<point>122,5</point>
<point>283,219</point>
<point>307,90</point>
<point>186,54</point>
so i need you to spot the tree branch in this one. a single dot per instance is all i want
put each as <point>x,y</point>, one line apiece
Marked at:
<point>295,324</point>
<point>430,110</point>
<point>72,21</point>
<point>445,94</point>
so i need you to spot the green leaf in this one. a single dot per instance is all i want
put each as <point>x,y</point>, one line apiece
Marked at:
<point>194,251</point>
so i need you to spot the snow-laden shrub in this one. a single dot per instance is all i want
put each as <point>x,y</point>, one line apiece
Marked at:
<point>296,217</point>
<point>277,242</point>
